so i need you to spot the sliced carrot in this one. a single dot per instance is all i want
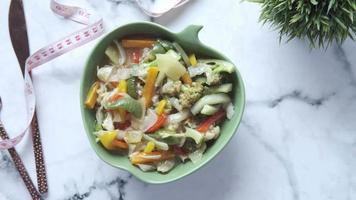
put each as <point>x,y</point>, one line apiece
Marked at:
<point>119,144</point>
<point>205,125</point>
<point>186,79</point>
<point>138,43</point>
<point>141,158</point>
<point>148,89</point>
<point>159,123</point>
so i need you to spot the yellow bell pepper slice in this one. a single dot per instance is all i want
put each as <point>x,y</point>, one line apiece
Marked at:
<point>149,147</point>
<point>107,138</point>
<point>92,95</point>
<point>186,78</point>
<point>148,89</point>
<point>160,106</point>
<point>193,60</point>
<point>122,87</point>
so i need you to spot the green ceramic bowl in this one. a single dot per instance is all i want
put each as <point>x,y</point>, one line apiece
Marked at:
<point>189,40</point>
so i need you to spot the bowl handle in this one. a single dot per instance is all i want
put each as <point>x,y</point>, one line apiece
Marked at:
<point>190,33</point>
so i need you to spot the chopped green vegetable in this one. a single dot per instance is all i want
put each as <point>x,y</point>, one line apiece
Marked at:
<point>168,136</point>
<point>132,87</point>
<point>195,135</point>
<point>218,66</point>
<point>210,99</point>
<point>158,144</point>
<point>209,110</point>
<point>190,145</point>
<point>166,44</point>
<point>157,49</point>
<point>113,54</point>
<point>165,166</point>
<point>224,88</point>
<point>190,94</point>
<point>98,127</point>
<point>160,78</point>
<point>128,103</point>
<point>201,79</point>
<point>182,53</point>
<point>197,154</point>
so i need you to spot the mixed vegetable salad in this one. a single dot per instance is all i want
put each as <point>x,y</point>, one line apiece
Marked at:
<point>158,104</point>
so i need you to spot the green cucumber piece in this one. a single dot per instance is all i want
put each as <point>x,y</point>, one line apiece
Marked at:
<point>209,110</point>
<point>132,87</point>
<point>128,103</point>
<point>224,88</point>
<point>210,99</point>
<point>218,66</point>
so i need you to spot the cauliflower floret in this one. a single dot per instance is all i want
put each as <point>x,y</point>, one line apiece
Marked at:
<point>190,94</point>
<point>215,79</point>
<point>212,133</point>
<point>171,87</point>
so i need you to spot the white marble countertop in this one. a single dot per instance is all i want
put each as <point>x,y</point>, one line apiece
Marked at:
<point>297,139</point>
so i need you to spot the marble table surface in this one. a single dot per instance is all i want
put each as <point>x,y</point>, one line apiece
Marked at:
<point>297,140</point>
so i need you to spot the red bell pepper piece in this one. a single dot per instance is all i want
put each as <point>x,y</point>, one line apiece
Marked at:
<point>159,123</point>
<point>205,125</point>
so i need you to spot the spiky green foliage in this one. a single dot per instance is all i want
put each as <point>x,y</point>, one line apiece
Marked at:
<point>319,21</point>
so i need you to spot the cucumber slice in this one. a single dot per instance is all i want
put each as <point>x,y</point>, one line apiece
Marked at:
<point>224,88</point>
<point>209,110</point>
<point>219,66</point>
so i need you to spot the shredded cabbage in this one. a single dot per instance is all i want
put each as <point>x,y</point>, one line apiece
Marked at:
<point>149,120</point>
<point>133,136</point>
<point>110,73</point>
<point>159,145</point>
<point>108,123</point>
<point>230,110</point>
<point>175,103</point>
<point>165,166</point>
<point>212,133</point>
<point>178,117</point>
<point>145,167</point>
<point>199,69</point>
<point>197,155</point>
<point>99,115</point>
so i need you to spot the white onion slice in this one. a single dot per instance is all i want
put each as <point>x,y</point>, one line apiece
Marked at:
<point>149,120</point>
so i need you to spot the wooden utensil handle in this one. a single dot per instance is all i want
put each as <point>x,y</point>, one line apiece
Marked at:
<point>39,160</point>
<point>20,167</point>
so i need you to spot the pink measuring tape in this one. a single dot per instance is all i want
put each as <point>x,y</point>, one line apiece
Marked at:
<point>94,28</point>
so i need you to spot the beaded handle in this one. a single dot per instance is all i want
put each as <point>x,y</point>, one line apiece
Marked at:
<point>20,167</point>
<point>39,160</point>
